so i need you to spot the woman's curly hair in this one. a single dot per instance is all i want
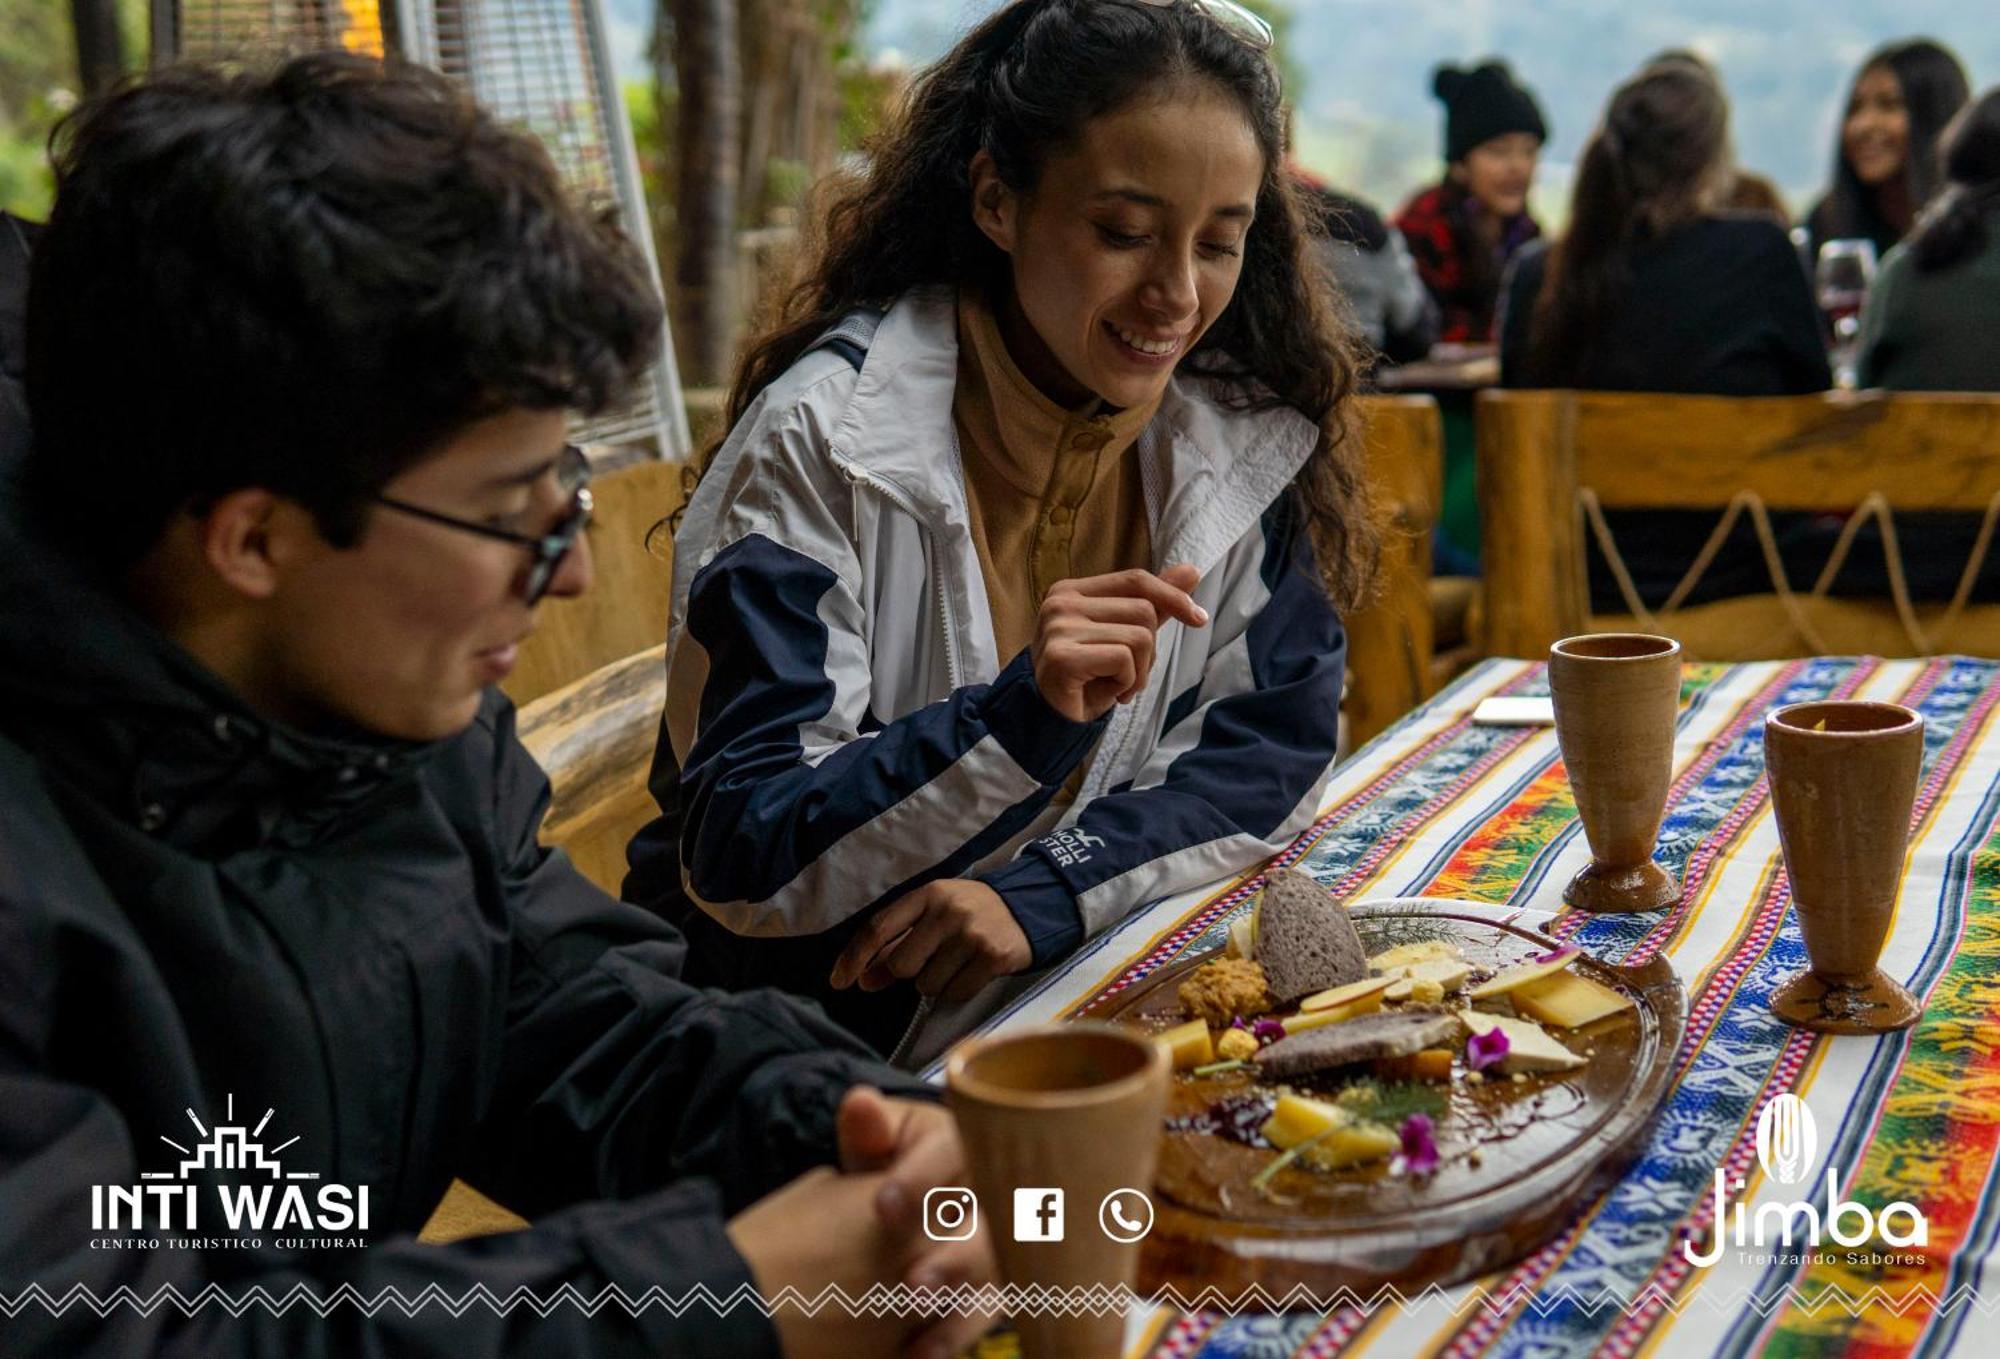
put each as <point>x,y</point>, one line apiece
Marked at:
<point>1021,87</point>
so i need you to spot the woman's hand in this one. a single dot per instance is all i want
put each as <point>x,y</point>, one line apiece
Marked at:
<point>951,937</point>
<point>1094,640</point>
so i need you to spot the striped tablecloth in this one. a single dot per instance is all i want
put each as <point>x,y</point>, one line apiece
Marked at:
<point>1439,807</point>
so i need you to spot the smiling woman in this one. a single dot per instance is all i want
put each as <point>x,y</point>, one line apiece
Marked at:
<point>1008,602</point>
<point>1885,162</point>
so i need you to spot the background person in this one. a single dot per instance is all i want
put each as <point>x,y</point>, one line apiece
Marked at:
<point>1652,289</point>
<point>1011,609</point>
<point>1931,317</point>
<point>1652,286</point>
<point>1747,191</point>
<point>1884,161</point>
<point>1386,303</point>
<point>1463,230</point>
<point>270,841</point>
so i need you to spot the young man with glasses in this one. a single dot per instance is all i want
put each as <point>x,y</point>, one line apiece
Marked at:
<point>302,347</point>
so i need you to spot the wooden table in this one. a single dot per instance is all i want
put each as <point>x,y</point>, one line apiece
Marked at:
<point>1447,368</point>
<point>1439,807</point>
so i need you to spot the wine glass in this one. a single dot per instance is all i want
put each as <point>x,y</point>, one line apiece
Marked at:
<point>1841,278</point>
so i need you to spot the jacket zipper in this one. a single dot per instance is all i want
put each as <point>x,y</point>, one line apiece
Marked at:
<point>896,496</point>
<point>903,1044</point>
<point>901,499</point>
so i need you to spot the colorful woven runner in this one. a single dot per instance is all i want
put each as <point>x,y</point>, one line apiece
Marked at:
<point>1439,807</point>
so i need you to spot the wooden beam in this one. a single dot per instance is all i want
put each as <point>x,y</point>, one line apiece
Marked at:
<point>1529,529</point>
<point>100,45</point>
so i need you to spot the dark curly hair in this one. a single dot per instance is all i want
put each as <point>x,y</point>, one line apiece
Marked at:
<point>1022,86</point>
<point>303,279</point>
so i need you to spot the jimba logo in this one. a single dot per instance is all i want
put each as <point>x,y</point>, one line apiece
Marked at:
<point>1787,1147</point>
<point>263,1197</point>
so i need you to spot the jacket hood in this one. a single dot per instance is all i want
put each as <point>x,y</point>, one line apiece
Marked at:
<point>142,728</point>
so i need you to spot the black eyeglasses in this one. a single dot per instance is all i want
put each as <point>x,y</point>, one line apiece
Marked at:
<point>549,549</point>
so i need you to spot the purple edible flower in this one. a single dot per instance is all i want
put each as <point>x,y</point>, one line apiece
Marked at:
<point>1237,1023</point>
<point>1420,1153</point>
<point>1267,1031</point>
<point>1485,1049</point>
<point>1555,955</point>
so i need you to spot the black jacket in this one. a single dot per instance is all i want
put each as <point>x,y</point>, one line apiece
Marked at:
<point>1719,306</point>
<point>202,911</point>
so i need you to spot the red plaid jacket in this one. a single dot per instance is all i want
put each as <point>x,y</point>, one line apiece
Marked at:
<point>1438,224</point>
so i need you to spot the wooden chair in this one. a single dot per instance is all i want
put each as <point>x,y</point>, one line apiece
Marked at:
<point>595,739</point>
<point>1390,641</point>
<point>1549,461</point>
<point>625,610</point>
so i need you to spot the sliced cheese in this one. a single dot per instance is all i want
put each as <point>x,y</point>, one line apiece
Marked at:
<point>1525,973</point>
<point>1569,1001</point>
<point>1353,1009</point>
<point>1337,996</point>
<point>1446,974</point>
<point>1241,944</point>
<point>1529,1046</point>
<point>1344,1139</point>
<point>1188,1045</point>
<point>1423,951</point>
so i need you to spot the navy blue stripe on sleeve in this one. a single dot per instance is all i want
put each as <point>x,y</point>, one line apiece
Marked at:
<point>754,812</point>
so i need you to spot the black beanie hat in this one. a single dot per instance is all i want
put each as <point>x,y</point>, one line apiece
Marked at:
<point>1484,103</point>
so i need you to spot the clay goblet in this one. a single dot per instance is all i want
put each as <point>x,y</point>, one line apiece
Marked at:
<point>1056,1120</point>
<point>1843,780</point>
<point>1616,695</point>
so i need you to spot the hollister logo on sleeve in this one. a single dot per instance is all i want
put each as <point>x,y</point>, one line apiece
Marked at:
<point>1072,847</point>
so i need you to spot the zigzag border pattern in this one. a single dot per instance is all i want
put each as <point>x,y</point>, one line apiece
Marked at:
<point>989,1299</point>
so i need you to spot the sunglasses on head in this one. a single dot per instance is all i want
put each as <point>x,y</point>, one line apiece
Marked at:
<point>1238,22</point>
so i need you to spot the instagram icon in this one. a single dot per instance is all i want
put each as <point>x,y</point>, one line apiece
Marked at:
<point>950,1214</point>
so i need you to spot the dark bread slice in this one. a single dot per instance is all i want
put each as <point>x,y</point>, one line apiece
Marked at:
<point>1305,940</point>
<point>1394,1034</point>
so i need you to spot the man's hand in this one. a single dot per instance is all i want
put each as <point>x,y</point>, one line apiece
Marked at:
<point>951,937</point>
<point>913,1142</point>
<point>822,1229</point>
<point>1094,639</point>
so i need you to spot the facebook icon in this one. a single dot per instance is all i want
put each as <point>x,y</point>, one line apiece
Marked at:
<point>1038,1214</point>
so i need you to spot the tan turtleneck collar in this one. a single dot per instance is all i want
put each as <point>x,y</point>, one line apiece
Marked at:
<point>1053,494</point>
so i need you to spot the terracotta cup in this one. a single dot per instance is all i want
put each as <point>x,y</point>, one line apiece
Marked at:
<point>1616,697</point>
<point>1843,780</point>
<point>1069,1109</point>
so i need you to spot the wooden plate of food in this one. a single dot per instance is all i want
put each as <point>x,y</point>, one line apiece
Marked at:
<point>1300,1151</point>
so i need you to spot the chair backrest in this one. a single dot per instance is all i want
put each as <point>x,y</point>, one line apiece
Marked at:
<point>625,609</point>
<point>1390,641</point>
<point>1550,460</point>
<point>594,739</point>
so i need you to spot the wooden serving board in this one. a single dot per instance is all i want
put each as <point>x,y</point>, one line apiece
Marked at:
<point>1517,1159</point>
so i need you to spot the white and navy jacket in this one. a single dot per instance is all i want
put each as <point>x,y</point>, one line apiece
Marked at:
<point>839,729</point>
